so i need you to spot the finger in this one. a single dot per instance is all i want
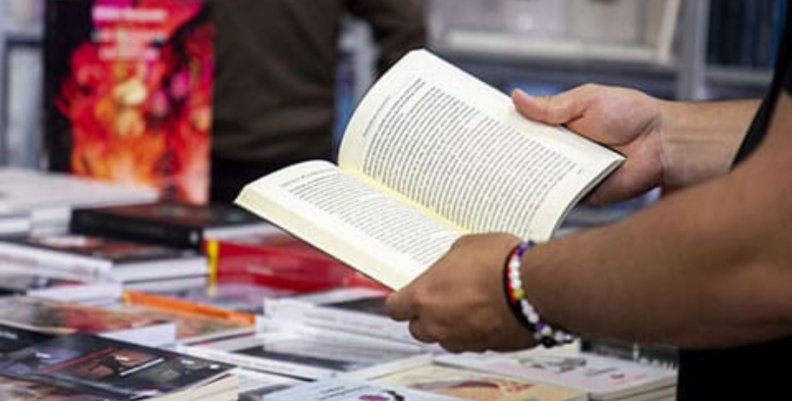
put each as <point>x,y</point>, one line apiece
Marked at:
<point>399,305</point>
<point>418,332</point>
<point>555,110</point>
<point>457,346</point>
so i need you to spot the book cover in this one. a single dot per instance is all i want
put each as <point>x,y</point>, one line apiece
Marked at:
<point>353,390</point>
<point>21,390</point>
<point>47,283</point>
<point>194,327</point>
<point>55,317</point>
<point>114,368</point>
<point>310,353</point>
<point>279,261</point>
<point>353,310</point>
<point>14,338</point>
<point>92,256</point>
<point>472,385</point>
<point>129,92</point>
<point>599,376</point>
<point>168,223</point>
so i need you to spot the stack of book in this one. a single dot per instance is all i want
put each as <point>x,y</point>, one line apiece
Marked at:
<point>104,257</point>
<point>45,200</point>
<point>26,279</point>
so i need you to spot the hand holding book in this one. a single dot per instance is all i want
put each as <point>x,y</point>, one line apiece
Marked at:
<point>468,311</point>
<point>430,154</point>
<point>627,120</point>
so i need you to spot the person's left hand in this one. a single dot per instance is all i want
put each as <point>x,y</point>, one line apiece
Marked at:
<point>460,302</point>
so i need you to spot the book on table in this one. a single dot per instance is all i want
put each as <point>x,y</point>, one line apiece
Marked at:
<point>18,278</point>
<point>119,370</point>
<point>311,353</point>
<point>430,154</point>
<point>602,378</point>
<point>353,310</point>
<point>94,257</point>
<point>175,224</point>
<point>58,318</point>
<point>344,389</point>
<point>475,385</point>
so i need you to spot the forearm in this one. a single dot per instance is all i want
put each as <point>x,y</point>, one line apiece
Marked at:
<point>699,140</point>
<point>708,266</point>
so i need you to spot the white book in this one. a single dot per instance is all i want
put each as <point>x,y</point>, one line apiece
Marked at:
<point>430,154</point>
<point>349,389</point>
<point>97,258</point>
<point>25,191</point>
<point>310,353</point>
<point>26,279</point>
<point>252,385</point>
<point>601,377</point>
<point>353,310</point>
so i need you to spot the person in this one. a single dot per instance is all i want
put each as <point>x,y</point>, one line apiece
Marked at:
<point>274,85</point>
<point>707,268</point>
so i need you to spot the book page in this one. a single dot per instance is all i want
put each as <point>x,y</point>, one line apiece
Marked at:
<point>356,222</point>
<point>457,146</point>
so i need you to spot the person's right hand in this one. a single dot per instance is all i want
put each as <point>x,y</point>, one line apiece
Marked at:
<point>625,119</point>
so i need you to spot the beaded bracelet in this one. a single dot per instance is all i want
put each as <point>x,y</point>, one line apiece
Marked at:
<point>542,331</point>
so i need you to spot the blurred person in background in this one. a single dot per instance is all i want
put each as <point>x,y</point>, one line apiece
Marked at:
<point>275,78</point>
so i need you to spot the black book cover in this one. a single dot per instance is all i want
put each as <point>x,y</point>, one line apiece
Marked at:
<point>103,366</point>
<point>14,338</point>
<point>174,224</point>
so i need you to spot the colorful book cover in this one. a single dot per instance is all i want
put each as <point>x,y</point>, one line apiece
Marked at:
<point>65,317</point>
<point>110,367</point>
<point>478,386</point>
<point>21,390</point>
<point>599,376</point>
<point>129,92</point>
<point>353,390</point>
<point>192,327</point>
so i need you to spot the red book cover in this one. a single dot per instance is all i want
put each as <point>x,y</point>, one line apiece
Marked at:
<point>129,92</point>
<point>280,261</point>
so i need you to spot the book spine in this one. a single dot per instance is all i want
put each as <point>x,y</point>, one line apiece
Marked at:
<point>94,222</point>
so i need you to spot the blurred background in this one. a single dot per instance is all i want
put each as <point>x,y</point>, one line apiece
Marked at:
<point>671,48</point>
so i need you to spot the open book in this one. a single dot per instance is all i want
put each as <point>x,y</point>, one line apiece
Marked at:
<point>430,154</point>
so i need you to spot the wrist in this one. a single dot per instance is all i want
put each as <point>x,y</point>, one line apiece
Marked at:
<point>522,310</point>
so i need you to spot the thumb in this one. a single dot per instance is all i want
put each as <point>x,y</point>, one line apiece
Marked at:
<point>400,305</point>
<point>553,110</point>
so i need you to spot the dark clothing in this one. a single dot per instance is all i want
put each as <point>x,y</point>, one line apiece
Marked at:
<point>274,88</point>
<point>752,372</point>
